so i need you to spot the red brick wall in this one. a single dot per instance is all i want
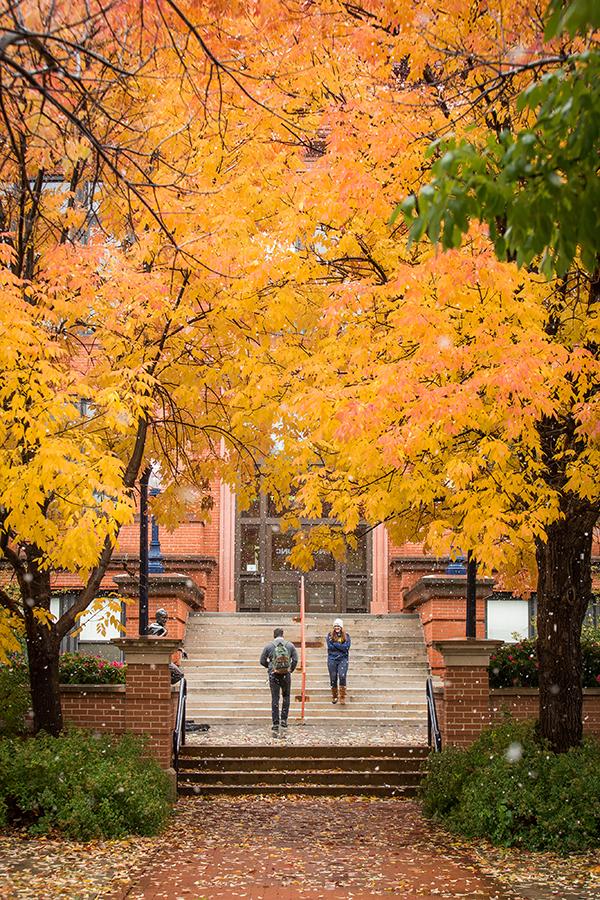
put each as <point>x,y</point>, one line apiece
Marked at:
<point>523,703</point>
<point>107,709</point>
<point>444,618</point>
<point>465,706</point>
<point>466,709</point>
<point>94,707</point>
<point>400,583</point>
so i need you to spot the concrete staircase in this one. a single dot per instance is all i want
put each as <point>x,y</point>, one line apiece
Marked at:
<point>315,770</point>
<point>386,680</point>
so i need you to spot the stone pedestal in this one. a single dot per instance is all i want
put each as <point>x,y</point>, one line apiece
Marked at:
<point>466,707</point>
<point>149,700</point>
<point>441,601</point>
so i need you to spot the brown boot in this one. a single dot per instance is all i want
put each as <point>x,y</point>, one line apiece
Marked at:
<point>334,695</point>
<point>342,694</point>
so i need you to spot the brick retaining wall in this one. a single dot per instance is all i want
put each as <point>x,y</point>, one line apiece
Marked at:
<point>146,704</point>
<point>522,703</point>
<point>95,707</point>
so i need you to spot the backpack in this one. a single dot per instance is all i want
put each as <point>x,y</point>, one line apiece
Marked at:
<point>281,660</point>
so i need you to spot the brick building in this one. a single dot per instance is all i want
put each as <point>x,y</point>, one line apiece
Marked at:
<point>237,562</point>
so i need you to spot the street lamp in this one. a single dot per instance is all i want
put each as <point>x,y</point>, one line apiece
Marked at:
<point>155,563</point>
<point>471,617</point>
<point>143,601</point>
<point>457,567</point>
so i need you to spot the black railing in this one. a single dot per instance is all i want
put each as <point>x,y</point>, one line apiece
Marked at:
<point>434,735</point>
<point>179,730</point>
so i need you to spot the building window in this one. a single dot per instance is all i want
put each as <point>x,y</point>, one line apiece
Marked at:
<point>509,618</point>
<point>265,579</point>
<point>89,639</point>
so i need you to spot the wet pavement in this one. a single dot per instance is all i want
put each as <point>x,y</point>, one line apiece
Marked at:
<point>283,848</point>
<point>307,735</point>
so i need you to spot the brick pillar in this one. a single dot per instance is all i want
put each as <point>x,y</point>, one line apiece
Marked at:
<point>441,601</point>
<point>466,706</point>
<point>148,695</point>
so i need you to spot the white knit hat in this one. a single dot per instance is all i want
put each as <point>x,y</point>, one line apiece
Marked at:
<point>338,622</point>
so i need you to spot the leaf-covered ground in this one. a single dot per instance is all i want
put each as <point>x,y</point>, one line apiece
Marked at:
<point>342,735</point>
<point>264,847</point>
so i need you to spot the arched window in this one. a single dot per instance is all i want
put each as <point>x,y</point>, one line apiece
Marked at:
<point>265,581</point>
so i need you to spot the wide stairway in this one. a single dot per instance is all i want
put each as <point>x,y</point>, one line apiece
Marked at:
<point>315,770</point>
<point>386,679</point>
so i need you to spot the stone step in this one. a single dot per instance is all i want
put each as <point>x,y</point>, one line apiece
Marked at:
<point>236,706</point>
<point>301,751</point>
<point>197,766</point>
<point>290,780</point>
<point>263,717</point>
<point>244,652</point>
<point>365,664</point>
<point>283,618</point>
<point>315,683</point>
<point>255,633</point>
<point>355,687</point>
<point>388,668</point>
<point>286,769</point>
<point>244,694</point>
<point>331,790</point>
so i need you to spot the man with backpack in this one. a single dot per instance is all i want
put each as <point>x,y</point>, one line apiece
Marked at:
<point>280,657</point>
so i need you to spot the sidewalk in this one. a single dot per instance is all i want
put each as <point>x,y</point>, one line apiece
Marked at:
<point>278,849</point>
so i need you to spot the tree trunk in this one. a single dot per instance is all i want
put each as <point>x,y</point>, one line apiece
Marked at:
<point>564,592</point>
<point>43,647</point>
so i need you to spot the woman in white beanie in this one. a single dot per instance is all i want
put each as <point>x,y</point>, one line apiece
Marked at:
<point>338,652</point>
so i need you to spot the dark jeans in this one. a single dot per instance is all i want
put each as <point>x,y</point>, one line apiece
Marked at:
<point>279,683</point>
<point>338,669</point>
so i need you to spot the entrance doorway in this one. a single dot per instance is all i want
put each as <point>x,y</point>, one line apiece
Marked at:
<point>265,580</point>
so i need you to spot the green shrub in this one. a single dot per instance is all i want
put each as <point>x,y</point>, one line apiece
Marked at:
<point>512,790</point>
<point>515,665</point>
<point>15,698</point>
<point>83,786</point>
<point>76,669</point>
<point>590,646</point>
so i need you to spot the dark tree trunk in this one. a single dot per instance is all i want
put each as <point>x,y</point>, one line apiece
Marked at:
<point>43,646</point>
<point>564,591</point>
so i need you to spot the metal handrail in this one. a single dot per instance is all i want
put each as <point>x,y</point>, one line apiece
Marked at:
<point>434,735</point>
<point>179,730</point>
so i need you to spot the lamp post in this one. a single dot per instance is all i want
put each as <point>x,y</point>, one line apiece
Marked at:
<point>143,602</point>
<point>458,567</point>
<point>471,617</point>
<point>155,563</point>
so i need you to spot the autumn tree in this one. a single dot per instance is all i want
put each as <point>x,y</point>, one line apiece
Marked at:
<point>233,171</point>
<point>121,125</point>
<point>537,191</point>
<point>453,395</point>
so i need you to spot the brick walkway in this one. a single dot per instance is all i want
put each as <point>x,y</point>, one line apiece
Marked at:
<point>279,849</point>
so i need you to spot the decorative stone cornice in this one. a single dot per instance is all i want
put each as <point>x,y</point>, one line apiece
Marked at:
<point>195,563</point>
<point>206,564</point>
<point>445,587</point>
<point>147,650</point>
<point>466,652</point>
<point>400,564</point>
<point>166,584</point>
